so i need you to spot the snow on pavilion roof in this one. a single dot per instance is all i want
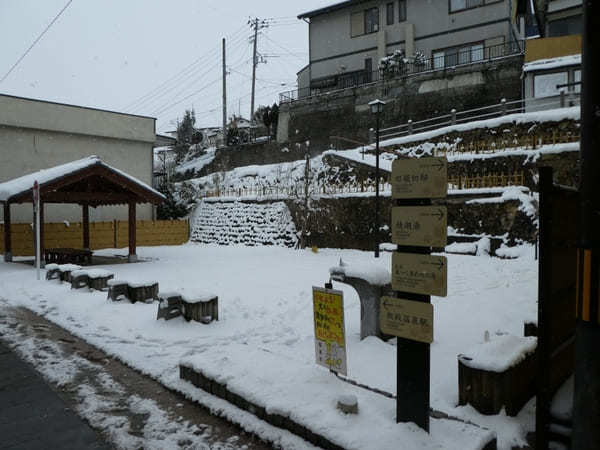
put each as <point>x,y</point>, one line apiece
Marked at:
<point>22,185</point>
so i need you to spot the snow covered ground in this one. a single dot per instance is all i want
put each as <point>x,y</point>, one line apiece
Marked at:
<point>266,328</point>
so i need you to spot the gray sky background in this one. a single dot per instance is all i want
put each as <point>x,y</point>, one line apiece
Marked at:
<point>152,57</point>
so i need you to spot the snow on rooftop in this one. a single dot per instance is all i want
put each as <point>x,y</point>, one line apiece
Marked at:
<point>24,183</point>
<point>552,63</point>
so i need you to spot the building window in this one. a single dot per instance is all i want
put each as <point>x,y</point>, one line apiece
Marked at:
<point>545,85</point>
<point>461,5</point>
<point>371,20</point>
<point>390,13</point>
<point>364,22</point>
<point>402,10</point>
<point>454,56</point>
<point>438,60</point>
<point>577,79</point>
<point>357,24</point>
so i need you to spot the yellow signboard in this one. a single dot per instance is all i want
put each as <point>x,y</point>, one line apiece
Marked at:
<point>425,226</point>
<point>330,339</point>
<point>420,274</point>
<point>407,319</point>
<point>419,178</point>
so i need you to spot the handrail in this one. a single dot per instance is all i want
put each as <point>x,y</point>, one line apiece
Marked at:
<point>410,66</point>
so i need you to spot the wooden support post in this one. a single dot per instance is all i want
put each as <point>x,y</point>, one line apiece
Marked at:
<point>85,212</point>
<point>132,233</point>
<point>42,258</point>
<point>7,237</point>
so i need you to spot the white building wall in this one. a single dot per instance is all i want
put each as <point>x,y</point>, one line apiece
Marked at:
<point>35,135</point>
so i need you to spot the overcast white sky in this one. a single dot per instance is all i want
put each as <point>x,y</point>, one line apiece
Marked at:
<point>111,53</point>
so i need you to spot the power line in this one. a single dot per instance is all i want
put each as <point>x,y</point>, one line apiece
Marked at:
<point>184,72</point>
<point>158,95</point>
<point>36,41</point>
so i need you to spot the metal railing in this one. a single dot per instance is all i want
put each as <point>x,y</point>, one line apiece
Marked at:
<point>404,68</point>
<point>565,99</point>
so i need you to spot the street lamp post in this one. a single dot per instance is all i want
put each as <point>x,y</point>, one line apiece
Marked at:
<point>377,109</point>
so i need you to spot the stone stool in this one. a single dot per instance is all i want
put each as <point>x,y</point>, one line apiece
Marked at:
<point>65,271</point>
<point>52,272</point>
<point>99,279</point>
<point>117,289</point>
<point>79,279</point>
<point>169,305</point>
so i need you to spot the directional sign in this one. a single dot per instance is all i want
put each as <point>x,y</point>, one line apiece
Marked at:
<point>420,178</point>
<point>407,319</point>
<point>425,226</point>
<point>420,274</point>
<point>330,340</point>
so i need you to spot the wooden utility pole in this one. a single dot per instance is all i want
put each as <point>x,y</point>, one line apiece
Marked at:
<point>257,24</point>
<point>254,64</point>
<point>224,95</point>
<point>586,403</point>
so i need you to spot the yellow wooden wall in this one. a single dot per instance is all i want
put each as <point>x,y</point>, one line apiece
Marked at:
<point>102,235</point>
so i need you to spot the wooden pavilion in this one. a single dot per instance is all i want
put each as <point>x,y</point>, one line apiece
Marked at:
<point>86,182</point>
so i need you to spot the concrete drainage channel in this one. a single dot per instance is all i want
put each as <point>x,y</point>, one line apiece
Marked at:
<point>130,410</point>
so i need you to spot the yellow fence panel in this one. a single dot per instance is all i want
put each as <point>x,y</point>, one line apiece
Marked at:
<point>102,235</point>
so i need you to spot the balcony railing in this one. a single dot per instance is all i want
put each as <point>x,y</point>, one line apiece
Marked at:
<point>407,67</point>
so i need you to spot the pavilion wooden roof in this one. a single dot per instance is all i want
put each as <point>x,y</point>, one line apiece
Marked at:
<point>86,182</point>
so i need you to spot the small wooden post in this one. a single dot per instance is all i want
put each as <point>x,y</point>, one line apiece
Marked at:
<point>7,237</point>
<point>132,233</point>
<point>42,258</point>
<point>85,211</point>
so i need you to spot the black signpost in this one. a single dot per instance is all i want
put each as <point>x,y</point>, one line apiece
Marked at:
<point>414,184</point>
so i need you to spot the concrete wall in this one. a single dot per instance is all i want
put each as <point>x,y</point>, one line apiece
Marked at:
<point>429,23</point>
<point>36,135</point>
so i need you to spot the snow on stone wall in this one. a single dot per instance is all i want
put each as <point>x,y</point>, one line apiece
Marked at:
<point>250,224</point>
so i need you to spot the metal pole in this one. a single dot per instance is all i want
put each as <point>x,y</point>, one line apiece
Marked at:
<point>377,188</point>
<point>37,230</point>
<point>224,95</point>
<point>254,64</point>
<point>586,402</point>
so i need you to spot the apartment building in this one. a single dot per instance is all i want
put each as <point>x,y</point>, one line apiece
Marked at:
<point>351,37</point>
<point>564,18</point>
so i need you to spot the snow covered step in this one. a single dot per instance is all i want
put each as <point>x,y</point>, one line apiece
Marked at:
<point>243,223</point>
<point>301,397</point>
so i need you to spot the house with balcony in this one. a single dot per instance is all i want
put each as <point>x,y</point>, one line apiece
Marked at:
<point>564,18</point>
<point>347,40</point>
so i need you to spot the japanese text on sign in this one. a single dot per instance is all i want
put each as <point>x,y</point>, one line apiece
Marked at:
<point>330,340</point>
<point>420,225</point>
<point>420,274</point>
<point>407,319</point>
<point>419,178</point>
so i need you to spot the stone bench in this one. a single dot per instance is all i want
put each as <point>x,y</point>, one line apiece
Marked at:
<point>200,306</point>
<point>498,374</point>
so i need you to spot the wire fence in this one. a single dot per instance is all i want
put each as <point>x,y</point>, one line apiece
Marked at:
<point>367,187</point>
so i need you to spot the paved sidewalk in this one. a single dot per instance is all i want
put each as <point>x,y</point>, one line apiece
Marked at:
<point>33,416</point>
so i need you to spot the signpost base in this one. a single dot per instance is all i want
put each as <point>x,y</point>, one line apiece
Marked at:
<point>412,390</point>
